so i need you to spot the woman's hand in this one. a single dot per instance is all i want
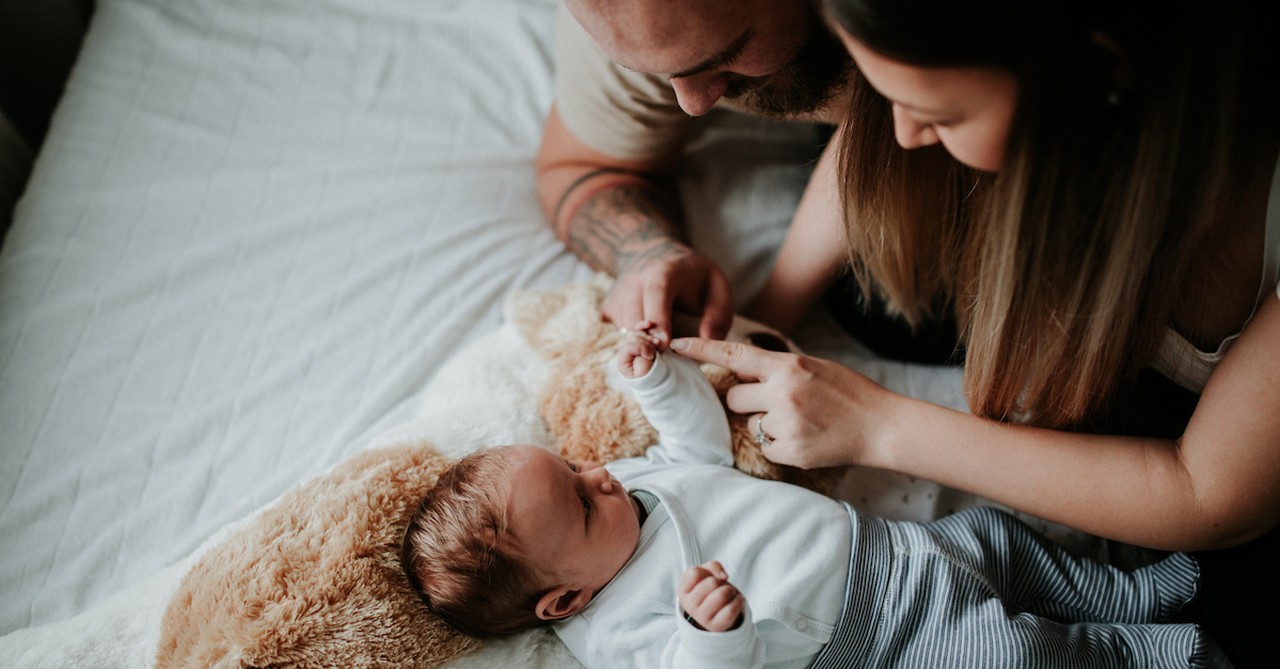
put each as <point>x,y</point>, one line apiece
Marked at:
<point>816,413</point>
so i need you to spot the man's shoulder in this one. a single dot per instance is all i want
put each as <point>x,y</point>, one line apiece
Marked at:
<point>580,60</point>
<point>619,112</point>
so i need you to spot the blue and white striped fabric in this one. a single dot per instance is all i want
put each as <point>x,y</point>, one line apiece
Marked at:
<point>980,589</point>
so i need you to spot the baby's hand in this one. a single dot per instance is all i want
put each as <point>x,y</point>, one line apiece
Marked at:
<point>639,348</point>
<point>708,597</point>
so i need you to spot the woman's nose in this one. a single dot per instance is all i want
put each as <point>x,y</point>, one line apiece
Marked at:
<point>697,94</point>
<point>912,134</point>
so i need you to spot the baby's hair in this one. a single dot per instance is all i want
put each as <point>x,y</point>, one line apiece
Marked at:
<point>460,557</point>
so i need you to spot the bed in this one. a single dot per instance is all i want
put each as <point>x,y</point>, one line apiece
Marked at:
<point>255,233</point>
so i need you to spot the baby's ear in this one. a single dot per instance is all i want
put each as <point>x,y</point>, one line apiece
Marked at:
<point>561,602</point>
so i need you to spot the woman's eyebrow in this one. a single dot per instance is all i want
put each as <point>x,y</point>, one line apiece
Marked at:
<point>729,53</point>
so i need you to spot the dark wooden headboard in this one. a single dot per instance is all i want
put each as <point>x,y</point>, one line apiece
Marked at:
<point>39,40</point>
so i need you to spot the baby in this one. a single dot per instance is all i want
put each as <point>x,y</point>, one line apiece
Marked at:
<point>625,561</point>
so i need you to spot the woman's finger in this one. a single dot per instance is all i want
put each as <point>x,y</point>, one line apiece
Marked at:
<point>749,398</point>
<point>748,362</point>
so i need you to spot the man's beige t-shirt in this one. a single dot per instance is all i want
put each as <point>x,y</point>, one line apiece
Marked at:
<point>619,112</point>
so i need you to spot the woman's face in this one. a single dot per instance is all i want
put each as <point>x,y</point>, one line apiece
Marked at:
<point>968,110</point>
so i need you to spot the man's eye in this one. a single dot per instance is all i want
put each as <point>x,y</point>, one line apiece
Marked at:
<point>573,467</point>
<point>586,504</point>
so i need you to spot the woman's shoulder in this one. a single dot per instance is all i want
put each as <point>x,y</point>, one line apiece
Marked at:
<point>1238,261</point>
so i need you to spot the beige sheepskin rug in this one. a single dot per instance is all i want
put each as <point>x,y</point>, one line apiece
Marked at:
<point>315,580</point>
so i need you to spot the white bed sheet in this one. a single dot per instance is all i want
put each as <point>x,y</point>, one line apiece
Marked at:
<point>256,231</point>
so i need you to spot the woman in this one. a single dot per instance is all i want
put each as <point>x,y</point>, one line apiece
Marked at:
<point>1092,188</point>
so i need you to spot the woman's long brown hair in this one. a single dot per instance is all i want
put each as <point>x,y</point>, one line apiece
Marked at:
<point>1063,269</point>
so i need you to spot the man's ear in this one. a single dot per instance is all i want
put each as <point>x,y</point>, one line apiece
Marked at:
<point>561,602</point>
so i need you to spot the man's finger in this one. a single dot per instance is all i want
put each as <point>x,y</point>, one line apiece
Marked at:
<point>657,305</point>
<point>717,311</point>
<point>621,308</point>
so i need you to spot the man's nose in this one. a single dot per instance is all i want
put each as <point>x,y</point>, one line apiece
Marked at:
<point>697,94</point>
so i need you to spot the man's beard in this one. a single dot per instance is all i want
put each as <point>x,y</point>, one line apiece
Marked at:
<point>805,84</point>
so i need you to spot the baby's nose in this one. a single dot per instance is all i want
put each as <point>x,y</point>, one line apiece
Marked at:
<point>604,480</point>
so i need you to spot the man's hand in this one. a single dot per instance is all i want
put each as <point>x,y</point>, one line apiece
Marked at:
<point>708,597</point>
<point>623,218</point>
<point>669,277</point>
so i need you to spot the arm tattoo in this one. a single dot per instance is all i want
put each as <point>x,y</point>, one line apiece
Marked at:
<point>623,226</point>
<point>555,214</point>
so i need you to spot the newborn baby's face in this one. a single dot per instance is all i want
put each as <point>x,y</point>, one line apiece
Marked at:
<point>574,520</point>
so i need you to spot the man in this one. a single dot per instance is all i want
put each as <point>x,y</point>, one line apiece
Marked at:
<point>632,75</point>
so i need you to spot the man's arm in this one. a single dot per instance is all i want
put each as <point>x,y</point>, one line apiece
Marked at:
<point>622,218</point>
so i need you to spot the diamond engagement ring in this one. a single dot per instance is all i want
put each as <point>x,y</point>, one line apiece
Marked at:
<point>762,438</point>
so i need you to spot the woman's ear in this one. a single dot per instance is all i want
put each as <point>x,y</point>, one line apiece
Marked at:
<point>561,602</point>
